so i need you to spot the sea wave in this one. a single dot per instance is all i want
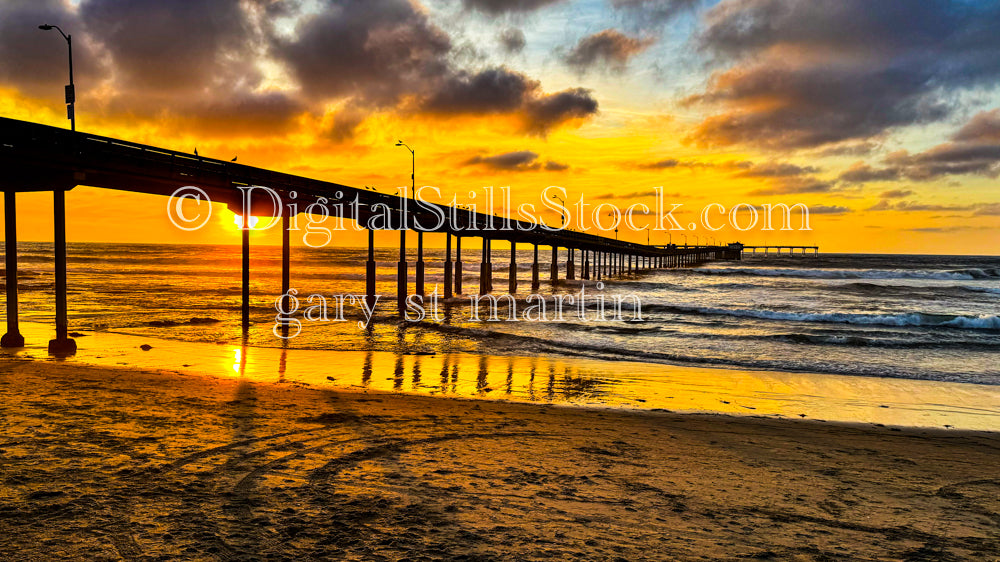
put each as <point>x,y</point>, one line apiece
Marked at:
<point>982,322</point>
<point>967,274</point>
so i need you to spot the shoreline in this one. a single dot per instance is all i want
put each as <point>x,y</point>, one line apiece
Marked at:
<point>574,381</point>
<point>122,462</point>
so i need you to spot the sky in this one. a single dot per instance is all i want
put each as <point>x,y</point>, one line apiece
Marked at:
<point>882,117</point>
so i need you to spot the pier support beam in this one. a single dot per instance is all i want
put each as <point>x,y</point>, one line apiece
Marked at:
<point>535,282</point>
<point>447,266</point>
<point>420,263</point>
<point>286,258</point>
<point>458,265</point>
<point>586,264</point>
<point>401,274</point>
<point>570,265</point>
<point>485,269</point>
<point>370,271</point>
<point>13,337</point>
<point>554,270</point>
<point>245,305</point>
<point>62,345</point>
<point>512,276</point>
<point>489,265</point>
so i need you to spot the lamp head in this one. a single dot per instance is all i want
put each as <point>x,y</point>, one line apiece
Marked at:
<point>399,143</point>
<point>45,27</point>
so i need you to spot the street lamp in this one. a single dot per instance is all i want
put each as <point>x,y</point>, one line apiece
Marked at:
<point>70,89</point>
<point>685,240</point>
<point>695,239</point>
<point>562,217</point>
<point>647,236</point>
<point>611,214</point>
<point>413,168</point>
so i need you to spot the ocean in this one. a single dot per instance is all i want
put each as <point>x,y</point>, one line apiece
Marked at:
<point>897,316</point>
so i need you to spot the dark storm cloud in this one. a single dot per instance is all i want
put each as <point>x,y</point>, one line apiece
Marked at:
<point>175,46</point>
<point>375,50</point>
<point>556,166</point>
<point>488,91</point>
<point>512,40</point>
<point>546,112</point>
<point>200,62</point>
<point>497,7</point>
<point>35,60</point>
<point>807,73</point>
<point>500,90</point>
<point>608,50</point>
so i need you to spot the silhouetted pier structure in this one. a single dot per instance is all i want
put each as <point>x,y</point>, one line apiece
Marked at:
<point>42,158</point>
<point>777,250</point>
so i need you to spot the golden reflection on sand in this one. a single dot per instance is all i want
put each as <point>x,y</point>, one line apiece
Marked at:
<point>559,380</point>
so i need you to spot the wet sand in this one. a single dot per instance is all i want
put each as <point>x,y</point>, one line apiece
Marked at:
<point>119,463</point>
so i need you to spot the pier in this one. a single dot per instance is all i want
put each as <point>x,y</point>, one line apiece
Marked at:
<point>43,158</point>
<point>752,250</point>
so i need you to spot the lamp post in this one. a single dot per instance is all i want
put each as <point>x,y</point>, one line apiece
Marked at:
<point>611,214</point>
<point>70,89</point>
<point>647,236</point>
<point>413,169</point>
<point>62,344</point>
<point>562,217</point>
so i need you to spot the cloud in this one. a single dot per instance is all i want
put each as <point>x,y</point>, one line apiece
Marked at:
<point>492,90</point>
<point>516,161</point>
<point>804,74</point>
<point>266,66</point>
<point>35,60</point>
<point>653,12</point>
<point>499,90</point>
<point>607,50</point>
<point>498,7</point>
<point>373,50</point>
<point>633,195</point>
<point>828,210</point>
<point>860,172</point>
<point>988,209</point>
<point>774,170</point>
<point>974,149</point>
<point>512,40</point>
<point>660,164</point>
<point>895,194</point>
<point>984,127</point>
<point>549,111</point>
<point>980,209</point>
<point>795,186</point>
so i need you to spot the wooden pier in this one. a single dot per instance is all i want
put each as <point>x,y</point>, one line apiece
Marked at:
<point>42,158</point>
<point>752,250</point>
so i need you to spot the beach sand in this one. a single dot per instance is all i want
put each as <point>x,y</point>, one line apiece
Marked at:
<point>116,463</point>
